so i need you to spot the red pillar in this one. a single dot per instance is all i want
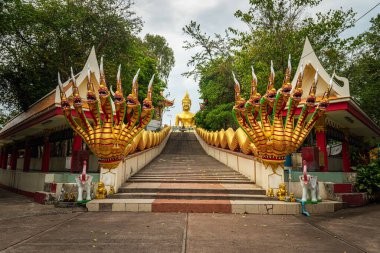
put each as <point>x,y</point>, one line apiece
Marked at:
<point>46,156</point>
<point>1,157</point>
<point>320,132</point>
<point>77,146</point>
<point>5,159</point>
<point>27,159</point>
<point>346,154</point>
<point>13,161</point>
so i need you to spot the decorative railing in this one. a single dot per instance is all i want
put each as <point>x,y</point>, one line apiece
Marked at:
<point>147,139</point>
<point>228,139</point>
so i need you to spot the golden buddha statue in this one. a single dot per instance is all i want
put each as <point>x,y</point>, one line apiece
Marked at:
<point>186,118</point>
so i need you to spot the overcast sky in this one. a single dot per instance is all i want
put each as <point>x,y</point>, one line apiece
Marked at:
<point>168,17</point>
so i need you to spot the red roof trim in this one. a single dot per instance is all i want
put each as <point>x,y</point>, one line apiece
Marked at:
<point>51,112</point>
<point>360,116</point>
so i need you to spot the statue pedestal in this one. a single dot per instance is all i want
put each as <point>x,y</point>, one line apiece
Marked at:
<point>267,177</point>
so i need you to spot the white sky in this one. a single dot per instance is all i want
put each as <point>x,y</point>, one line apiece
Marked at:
<point>168,17</point>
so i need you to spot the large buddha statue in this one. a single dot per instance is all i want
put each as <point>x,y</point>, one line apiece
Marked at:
<point>185,118</point>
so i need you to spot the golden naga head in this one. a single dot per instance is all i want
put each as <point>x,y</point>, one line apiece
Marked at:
<point>132,98</point>
<point>103,91</point>
<point>297,92</point>
<point>287,86</point>
<point>77,100</point>
<point>108,136</point>
<point>239,101</point>
<point>65,105</point>
<point>271,92</point>
<point>91,97</point>
<point>118,97</point>
<point>324,103</point>
<point>310,100</point>
<point>147,104</point>
<point>254,98</point>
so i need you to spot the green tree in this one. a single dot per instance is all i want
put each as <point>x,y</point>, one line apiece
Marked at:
<point>363,71</point>
<point>40,37</point>
<point>163,54</point>
<point>277,28</point>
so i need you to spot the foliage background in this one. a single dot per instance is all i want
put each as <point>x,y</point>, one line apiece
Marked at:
<point>40,37</point>
<point>278,28</point>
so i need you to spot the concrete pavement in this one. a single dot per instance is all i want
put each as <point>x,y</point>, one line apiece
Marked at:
<point>29,227</point>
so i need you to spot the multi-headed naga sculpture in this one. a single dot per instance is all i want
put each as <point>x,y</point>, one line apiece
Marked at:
<point>261,116</point>
<point>109,135</point>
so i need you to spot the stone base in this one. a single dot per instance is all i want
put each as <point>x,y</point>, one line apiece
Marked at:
<point>210,206</point>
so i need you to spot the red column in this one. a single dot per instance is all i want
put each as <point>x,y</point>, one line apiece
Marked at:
<point>27,159</point>
<point>1,157</point>
<point>46,156</point>
<point>5,159</point>
<point>13,161</point>
<point>77,146</point>
<point>346,155</point>
<point>320,132</point>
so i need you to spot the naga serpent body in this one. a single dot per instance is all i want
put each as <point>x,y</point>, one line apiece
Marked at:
<point>272,137</point>
<point>109,136</point>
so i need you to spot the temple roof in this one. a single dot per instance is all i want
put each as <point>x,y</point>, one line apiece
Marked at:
<point>311,63</point>
<point>52,100</point>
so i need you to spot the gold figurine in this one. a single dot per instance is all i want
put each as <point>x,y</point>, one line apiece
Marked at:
<point>101,192</point>
<point>282,192</point>
<point>112,190</point>
<point>292,198</point>
<point>71,197</point>
<point>270,193</point>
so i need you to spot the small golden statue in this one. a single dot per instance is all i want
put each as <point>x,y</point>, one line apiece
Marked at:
<point>101,192</point>
<point>66,197</point>
<point>186,118</point>
<point>112,190</point>
<point>281,193</point>
<point>292,198</point>
<point>270,193</point>
<point>71,197</point>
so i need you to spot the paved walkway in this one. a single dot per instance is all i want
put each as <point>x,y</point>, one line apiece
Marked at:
<point>29,227</point>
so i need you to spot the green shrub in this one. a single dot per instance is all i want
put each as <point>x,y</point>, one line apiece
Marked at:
<point>368,178</point>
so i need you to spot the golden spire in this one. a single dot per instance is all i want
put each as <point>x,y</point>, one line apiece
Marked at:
<point>186,98</point>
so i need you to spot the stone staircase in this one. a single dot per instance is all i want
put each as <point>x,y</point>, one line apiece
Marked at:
<point>344,192</point>
<point>183,178</point>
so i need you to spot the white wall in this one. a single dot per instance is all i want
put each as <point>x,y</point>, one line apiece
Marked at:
<point>26,181</point>
<point>246,165</point>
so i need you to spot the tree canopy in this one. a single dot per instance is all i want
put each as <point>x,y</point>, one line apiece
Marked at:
<point>276,28</point>
<point>38,38</point>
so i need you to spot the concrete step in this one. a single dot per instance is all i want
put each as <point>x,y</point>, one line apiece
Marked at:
<point>354,199</point>
<point>256,191</point>
<point>189,178</point>
<point>210,206</point>
<point>343,188</point>
<point>189,175</point>
<point>188,181</point>
<point>177,195</point>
